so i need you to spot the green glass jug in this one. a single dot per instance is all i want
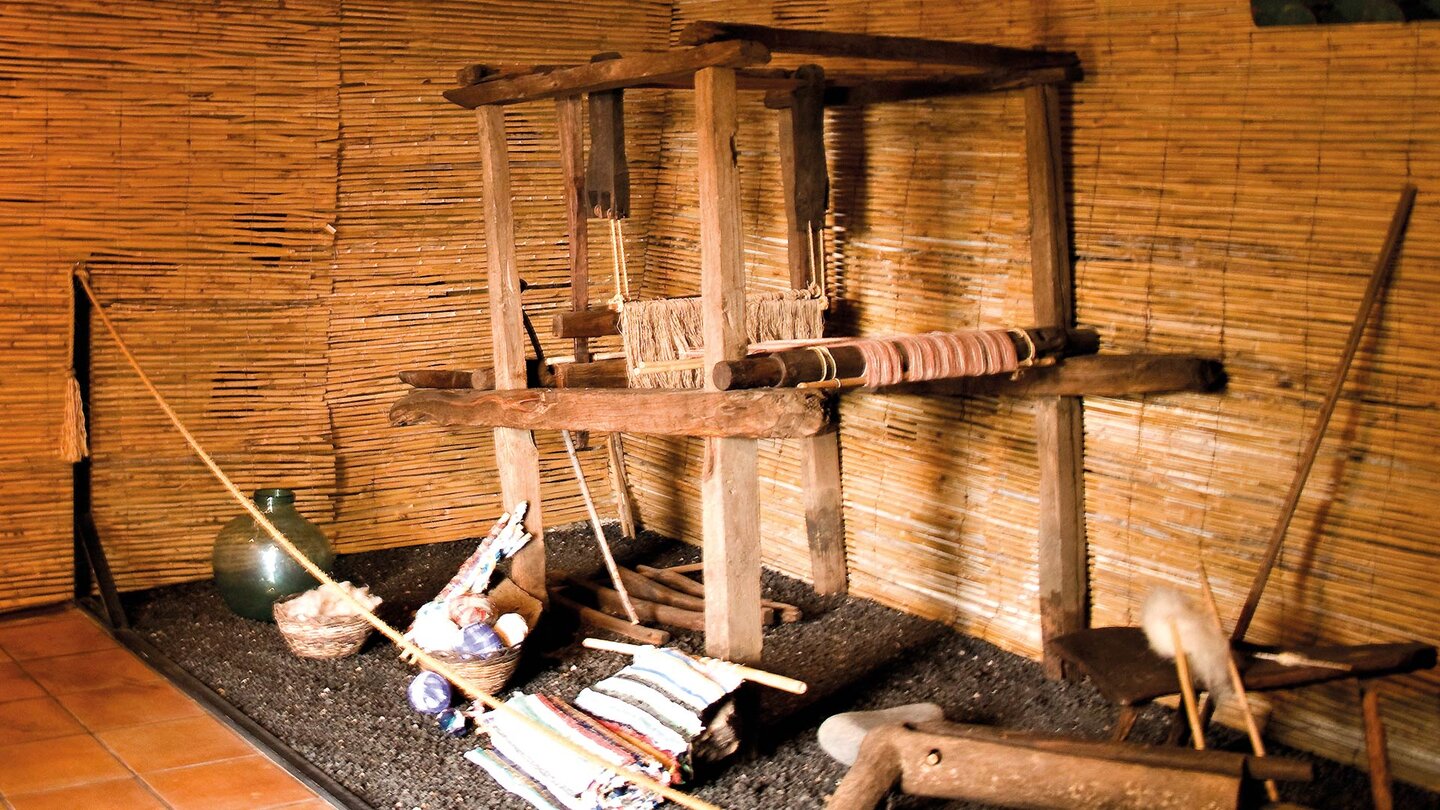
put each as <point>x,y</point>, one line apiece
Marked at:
<point>252,571</point>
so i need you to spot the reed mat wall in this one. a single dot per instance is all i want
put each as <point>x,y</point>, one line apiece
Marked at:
<point>282,212</point>
<point>1230,189</point>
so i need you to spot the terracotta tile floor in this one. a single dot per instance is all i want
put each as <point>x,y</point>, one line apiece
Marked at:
<point>84,723</point>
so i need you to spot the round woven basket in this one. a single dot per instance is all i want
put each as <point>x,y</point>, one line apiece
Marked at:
<point>321,637</point>
<point>490,674</point>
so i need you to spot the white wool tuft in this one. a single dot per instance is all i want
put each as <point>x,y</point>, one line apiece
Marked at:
<point>1206,647</point>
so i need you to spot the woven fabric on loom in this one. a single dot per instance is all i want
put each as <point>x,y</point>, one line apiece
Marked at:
<point>670,329</point>
<point>645,717</point>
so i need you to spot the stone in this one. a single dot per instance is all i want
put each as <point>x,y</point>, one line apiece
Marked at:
<point>841,734</point>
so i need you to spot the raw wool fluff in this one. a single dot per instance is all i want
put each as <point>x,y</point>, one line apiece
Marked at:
<point>670,329</point>
<point>1205,645</point>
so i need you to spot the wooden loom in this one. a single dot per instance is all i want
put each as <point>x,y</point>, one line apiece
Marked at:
<point>718,61</point>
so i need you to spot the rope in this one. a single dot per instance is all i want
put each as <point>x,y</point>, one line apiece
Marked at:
<point>465,685</point>
<point>618,265</point>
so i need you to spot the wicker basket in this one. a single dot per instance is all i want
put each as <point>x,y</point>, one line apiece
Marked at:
<point>491,674</point>
<point>321,637</point>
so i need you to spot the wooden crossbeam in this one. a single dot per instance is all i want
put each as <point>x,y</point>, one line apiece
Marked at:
<point>714,414</point>
<point>869,46</point>
<point>587,323</point>
<point>629,71</point>
<point>857,91</point>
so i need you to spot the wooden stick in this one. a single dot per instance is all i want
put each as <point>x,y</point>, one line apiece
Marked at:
<point>652,588</point>
<point>687,568</point>
<point>598,529</point>
<point>620,483</point>
<point>674,579</point>
<point>1237,682</point>
<point>752,674</point>
<point>1379,277</point>
<point>608,600</point>
<point>610,624</point>
<point>1375,747</point>
<point>1187,689</point>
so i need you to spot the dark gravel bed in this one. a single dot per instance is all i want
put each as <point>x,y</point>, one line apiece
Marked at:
<point>350,718</point>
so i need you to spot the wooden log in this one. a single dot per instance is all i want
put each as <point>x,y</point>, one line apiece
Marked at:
<point>628,71</point>
<point>608,373</point>
<point>673,578</point>
<point>516,456</point>
<point>480,379</point>
<point>789,367</point>
<point>1096,375</point>
<point>586,323</point>
<point>729,485</point>
<point>645,586</point>
<point>1064,587</point>
<point>870,46</point>
<point>986,766</point>
<point>607,175</point>
<point>654,411</point>
<point>603,621</point>
<point>608,600</point>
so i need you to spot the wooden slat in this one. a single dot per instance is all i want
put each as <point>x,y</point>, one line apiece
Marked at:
<point>869,46</point>
<point>516,456</point>
<point>1059,434</point>
<point>729,485</point>
<point>661,412</point>
<point>610,75</point>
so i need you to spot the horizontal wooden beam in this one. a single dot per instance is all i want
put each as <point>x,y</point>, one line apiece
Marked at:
<point>586,323</point>
<point>868,46</point>
<point>716,414</point>
<point>613,74</point>
<point>859,91</point>
<point>1098,375</point>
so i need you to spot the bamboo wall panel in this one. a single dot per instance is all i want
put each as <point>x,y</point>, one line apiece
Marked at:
<point>408,285</point>
<point>1230,189</point>
<point>193,145</point>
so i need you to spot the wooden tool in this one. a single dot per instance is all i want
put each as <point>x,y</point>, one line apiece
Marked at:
<point>751,674</point>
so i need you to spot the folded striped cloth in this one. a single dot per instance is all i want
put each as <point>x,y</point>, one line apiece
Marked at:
<point>643,718</point>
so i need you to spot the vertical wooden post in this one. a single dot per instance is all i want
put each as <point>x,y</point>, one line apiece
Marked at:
<point>515,452</point>
<point>729,483</point>
<point>572,165</point>
<point>1375,747</point>
<point>806,183</point>
<point>1059,434</point>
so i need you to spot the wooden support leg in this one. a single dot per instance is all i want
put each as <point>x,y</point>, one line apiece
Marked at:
<point>806,183</point>
<point>1124,723</point>
<point>1059,436</point>
<point>729,486</point>
<point>515,453</point>
<point>621,484</point>
<point>1375,747</point>
<point>568,122</point>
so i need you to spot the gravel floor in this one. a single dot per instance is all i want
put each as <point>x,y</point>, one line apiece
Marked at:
<point>350,717</point>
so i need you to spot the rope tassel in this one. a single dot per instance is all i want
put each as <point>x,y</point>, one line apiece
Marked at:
<point>74,440</point>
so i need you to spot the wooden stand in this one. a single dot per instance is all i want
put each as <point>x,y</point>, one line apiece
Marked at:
<point>720,60</point>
